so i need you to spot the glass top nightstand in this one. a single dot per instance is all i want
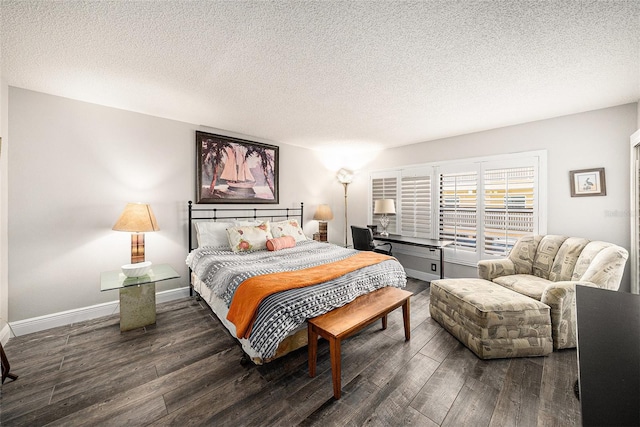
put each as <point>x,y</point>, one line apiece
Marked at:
<point>137,294</point>
<point>116,279</point>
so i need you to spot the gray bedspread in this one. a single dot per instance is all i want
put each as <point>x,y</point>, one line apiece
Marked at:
<point>283,312</point>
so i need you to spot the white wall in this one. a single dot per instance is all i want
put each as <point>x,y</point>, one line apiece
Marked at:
<point>593,139</point>
<point>72,168</point>
<point>4,277</point>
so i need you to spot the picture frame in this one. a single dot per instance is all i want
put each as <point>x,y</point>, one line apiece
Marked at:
<point>588,182</point>
<point>233,170</point>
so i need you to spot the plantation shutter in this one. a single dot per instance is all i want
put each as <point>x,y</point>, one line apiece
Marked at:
<point>384,188</point>
<point>509,207</point>
<point>481,205</point>
<point>415,204</point>
<point>458,220</point>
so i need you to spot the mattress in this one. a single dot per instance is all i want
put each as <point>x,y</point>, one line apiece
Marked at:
<point>279,324</point>
<point>295,340</point>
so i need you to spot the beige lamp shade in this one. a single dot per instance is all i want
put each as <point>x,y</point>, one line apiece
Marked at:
<point>384,206</point>
<point>323,213</point>
<point>137,218</point>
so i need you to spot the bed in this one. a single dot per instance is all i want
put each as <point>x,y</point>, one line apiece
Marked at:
<point>262,277</point>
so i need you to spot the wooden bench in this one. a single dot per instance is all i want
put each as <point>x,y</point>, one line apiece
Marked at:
<point>342,322</point>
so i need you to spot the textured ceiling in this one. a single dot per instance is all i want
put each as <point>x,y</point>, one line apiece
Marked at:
<point>376,73</point>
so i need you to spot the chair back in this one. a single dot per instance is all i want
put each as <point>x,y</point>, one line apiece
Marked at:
<point>561,258</point>
<point>362,238</point>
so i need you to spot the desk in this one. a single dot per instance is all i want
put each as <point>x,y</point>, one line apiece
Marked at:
<point>608,356</point>
<point>417,241</point>
<point>137,294</point>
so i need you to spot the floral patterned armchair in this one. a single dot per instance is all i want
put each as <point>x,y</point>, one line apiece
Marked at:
<point>547,268</point>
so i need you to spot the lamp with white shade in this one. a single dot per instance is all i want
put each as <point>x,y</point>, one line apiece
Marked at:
<point>384,207</point>
<point>323,214</point>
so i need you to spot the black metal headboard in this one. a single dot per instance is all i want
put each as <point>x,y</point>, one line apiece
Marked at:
<point>199,212</point>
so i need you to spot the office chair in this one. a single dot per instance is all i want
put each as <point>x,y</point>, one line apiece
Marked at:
<point>363,240</point>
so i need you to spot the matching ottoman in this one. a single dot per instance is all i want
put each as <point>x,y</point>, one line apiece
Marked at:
<point>492,321</point>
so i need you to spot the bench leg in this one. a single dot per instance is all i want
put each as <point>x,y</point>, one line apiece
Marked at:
<point>334,348</point>
<point>407,320</point>
<point>313,349</point>
<point>384,322</point>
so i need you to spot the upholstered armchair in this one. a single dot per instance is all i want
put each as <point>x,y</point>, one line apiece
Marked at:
<point>547,268</point>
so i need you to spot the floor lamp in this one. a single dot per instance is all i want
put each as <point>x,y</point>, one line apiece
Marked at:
<point>345,177</point>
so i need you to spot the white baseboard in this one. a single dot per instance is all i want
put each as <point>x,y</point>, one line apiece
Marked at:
<point>69,317</point>
<point>417,274</point>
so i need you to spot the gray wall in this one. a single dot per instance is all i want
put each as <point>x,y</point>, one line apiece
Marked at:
<point>593,139</point>
<point>72,168</point>
<point>4,277</point>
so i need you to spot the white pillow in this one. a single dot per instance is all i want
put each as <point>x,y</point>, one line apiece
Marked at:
<point>211,233</point>
<point>289,227</point>
<point>249,238</point>
<point>246,223</point>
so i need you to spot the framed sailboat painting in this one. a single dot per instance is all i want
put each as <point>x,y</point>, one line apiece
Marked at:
<point>233,170</point>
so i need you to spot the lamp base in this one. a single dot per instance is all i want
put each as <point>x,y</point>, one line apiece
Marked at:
<point>137,248</point>
<point>322,231</point>
<point>384,221</point>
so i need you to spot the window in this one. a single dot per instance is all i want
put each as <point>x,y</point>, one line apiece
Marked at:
<point>415,203</point>
<point>508,207</point>
<point>385,186</point>
<point>483,205</point>
<point>458,213</point>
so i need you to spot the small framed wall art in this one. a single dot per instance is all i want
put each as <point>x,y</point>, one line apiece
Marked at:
<point>588,182</point>
<point>232,170</point>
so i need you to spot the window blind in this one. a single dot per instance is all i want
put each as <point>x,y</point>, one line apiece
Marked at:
<point>385,188</point>
<point>483,205</point>
<point>415,206</point>
<point>509,207</point>
<point>458,220</point>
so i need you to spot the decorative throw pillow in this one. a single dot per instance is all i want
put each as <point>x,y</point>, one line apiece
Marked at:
<point>214,234</point>
<point>283,242</point>
<point>249,238</point>
<point>246,222</point>
<point>288,227</point>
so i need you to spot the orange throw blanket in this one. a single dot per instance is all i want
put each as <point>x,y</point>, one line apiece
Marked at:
<point>244,306</point>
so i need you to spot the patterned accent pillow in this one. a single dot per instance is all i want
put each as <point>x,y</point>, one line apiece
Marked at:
<point>214,234</point>
<point>289,227</point>
<point>249,238</point>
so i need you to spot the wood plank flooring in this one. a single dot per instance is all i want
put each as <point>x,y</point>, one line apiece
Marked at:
<point>187,370</point>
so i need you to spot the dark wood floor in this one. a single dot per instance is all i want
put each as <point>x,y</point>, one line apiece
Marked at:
<point>186,370</point>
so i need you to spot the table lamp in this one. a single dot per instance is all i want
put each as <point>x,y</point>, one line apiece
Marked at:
<point>137,218</point>
<point>384,207</point>
<point>323,214</point>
